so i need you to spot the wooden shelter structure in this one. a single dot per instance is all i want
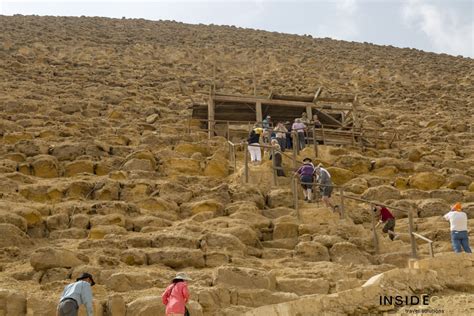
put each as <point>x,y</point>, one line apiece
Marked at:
<point>334,113</point>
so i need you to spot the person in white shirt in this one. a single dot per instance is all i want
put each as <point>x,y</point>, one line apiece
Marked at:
<point>458,225</point>
<point>75,294</point>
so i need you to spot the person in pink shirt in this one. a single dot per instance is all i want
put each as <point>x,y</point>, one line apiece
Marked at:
<point>176,295</point>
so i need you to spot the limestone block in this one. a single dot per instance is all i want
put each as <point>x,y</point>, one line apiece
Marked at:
<point>16,157</point>
<point>143,155</point>
<point>135,192</point>
<point>45,167</point>
<point>244,233</point>
<point>188,149</point>
<point>128,281</point>
<point>244,278</point>
<point>450,196</point>
<point>12,303</point>
<point>7,166</point>
<point>57,221</point>
<point>283,243</point>
<point>303,286</point>
<point>340,176</point>
<point>158,205</point>
<point>109,219</point>
<point>280,198</point>
<point>80,190</point>
<point>311,251</point>
<point>432,207</point>
<point>80,221</point>
<point>12,235</point>
<point>216,259</point>
<point>68,151</point>
<point>260,297</point>
<point>12,138</point>
<point>116,306</point>
<point>39,306</point>
<point>285,230</point>
<point>7,217</point>
<point>102,168</point>
<point>177,258</point>
<point>415,194</point>
<point>24,168</point>
<point>100,231</point>
<point>381,193</point>
<point>471,187</point>
<point>225,242</point>
<point>71,233</point>
<point>327,240</point>
<point>176,166</point>
<point>149,221</point>
<point>176,192</point>
<point>139,241</point>
<point>32,216</point>
<point>355,163</point>
<point>217,166</point>
<point>427,181</point>
<point>55,274</point>
<point>79,166</point>
<point>387,171</point>
<point>347,253</point>
<point>146,306</point>
<point>46,258</point>
<point>357,185</point>
<point>133,257</point>
<point>138,164</point>
<point>210,205</point>
<point>110,191</point>
<point>458,180</point>
<point>174,240</point>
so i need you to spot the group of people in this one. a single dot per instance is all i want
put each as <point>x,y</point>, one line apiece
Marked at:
<point>282,133</point>
<point>175,296</point>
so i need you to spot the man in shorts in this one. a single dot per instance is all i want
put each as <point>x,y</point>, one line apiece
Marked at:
<point>323,178</point>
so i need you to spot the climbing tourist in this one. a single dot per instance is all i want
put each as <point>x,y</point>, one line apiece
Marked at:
<point>299,128</point>
<point>75,294</point>
<point>323,179</point>
<point>316,122</point>
<point>254,145</point>
<point>176,295</point>
<point>458,225</point>
<point>280,134</point>
<point>304,118</point>
<point>267,129</point>
<point>289,141</point>
<point>386,217</point>
<point>278,158</point>
<point>305,173</point>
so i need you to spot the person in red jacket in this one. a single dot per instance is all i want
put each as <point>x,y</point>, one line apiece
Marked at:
<point>386,217</point>
<point>176,295</point>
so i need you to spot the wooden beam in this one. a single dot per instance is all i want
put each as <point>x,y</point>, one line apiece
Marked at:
<point>211,117</point>
<point>316,95</point>
<point>258,108</point>
<point>274,102</point>
<point>309,112</point>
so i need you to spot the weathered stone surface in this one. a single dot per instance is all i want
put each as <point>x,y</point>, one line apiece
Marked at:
<point>177,258</point>
<point>79,166</point>
<point>146,306</point>
<point>280,198</point>
<point>346,253</point>
<point>244,278</point>
<point>340,176</point>
<point>47,258</point>
<point>12,302</point>
<point>45,167</point>
<point>381,193</point>
<point>311,251</point>
<point>303,286</point>
<point>127,281</point>
<point>426,181</point>
<point>12,235</point>
<point>210,205</point>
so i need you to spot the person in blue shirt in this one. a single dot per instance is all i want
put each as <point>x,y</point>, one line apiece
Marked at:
<point>76,294</point>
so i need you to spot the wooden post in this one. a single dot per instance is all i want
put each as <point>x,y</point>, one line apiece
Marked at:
<point>412,237</point>
<point>228,131</point>
<point>294,188</point>
<point>189,125</point>
<point>309,112</point>
<point>430,245</point>
<point>376,238</point>
<point>315,143</point>
<point>211,117</point>
<point>272,153</point>
<point>341,195</point>
<point>258,109</point>
<point>246,169</point>
<point>295,153</point>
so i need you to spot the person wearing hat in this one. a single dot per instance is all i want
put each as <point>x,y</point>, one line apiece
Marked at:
<point>323,178</point>
<point>254,145</point>
<point>458,225</point>
<point>76,294</point>
<point>176,295</point>
<point>305,173</point>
